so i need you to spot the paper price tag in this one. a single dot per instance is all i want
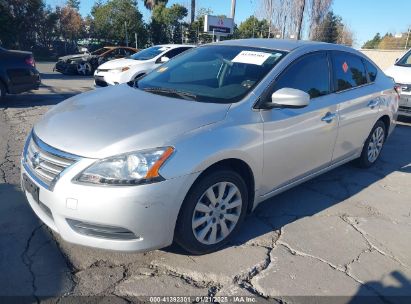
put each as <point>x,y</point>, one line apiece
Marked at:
<point>250,57</point>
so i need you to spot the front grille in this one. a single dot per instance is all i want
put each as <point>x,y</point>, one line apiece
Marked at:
<point>45,162</point>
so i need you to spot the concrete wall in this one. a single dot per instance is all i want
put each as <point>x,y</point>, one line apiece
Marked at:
<point>383,58</point>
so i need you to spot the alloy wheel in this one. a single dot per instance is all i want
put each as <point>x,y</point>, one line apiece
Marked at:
<point>375,144</point>
<point>216,213</point>
<point>84,68</point>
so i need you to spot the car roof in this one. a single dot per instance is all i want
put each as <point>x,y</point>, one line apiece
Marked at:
<point>175,45</point>
<point>287,45</point>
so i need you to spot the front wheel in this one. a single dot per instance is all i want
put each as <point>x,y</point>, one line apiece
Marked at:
<point>84,68</point>
<point>373,146</point>
<point>212,212</point>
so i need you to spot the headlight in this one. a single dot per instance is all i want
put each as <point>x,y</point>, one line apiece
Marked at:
<point>120,70</point>
<point>127,169</point>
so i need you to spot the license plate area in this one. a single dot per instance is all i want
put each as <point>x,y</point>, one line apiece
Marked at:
<point>31,188</point>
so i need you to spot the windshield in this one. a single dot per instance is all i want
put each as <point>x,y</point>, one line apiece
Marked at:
<point>214,73</point>
<point>149,53</point>
<point>405,60</point>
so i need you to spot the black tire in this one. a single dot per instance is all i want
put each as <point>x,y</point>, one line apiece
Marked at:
<point>364,161</point>
<point>184,235</point>
<point>2,91</point>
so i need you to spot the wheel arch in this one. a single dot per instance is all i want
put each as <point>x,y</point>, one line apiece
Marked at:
<point>387,122</point>
<point>239,166</point>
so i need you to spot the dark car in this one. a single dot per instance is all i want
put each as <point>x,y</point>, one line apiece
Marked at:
<point>86,63</point>
<point>17,72</point>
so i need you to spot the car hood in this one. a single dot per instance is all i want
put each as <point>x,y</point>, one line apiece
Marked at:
<point>121,119</point>
<point>118,63</point>
<point>400,74</point>
<point>76,56</point>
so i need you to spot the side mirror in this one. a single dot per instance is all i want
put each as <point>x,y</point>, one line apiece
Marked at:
<point>164,59</point>
<point>289,98</point>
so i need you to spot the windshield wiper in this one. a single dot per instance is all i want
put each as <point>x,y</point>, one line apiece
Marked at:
<point>171,92</point>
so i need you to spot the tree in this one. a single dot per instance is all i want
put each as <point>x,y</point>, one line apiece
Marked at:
<point>75,4</point>
<point>373,43</point>
<point>47,30</point>
<point>328,29</point>
<point>318,11</point>
<point>113,18</point>
<point>252,28</point>
<point>71,24</point>
<point>166,23</point>
<point>150,4</point>
<point>19,19</point>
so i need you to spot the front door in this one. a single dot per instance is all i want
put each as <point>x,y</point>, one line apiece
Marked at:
<point>298,142</point>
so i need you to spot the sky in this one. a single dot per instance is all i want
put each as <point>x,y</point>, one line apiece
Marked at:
<point>364,17</point>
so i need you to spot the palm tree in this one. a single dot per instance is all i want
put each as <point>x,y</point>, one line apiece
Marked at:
<point>193,10</point>
<point>150,4</point>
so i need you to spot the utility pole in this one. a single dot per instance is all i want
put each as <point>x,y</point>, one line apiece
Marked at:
<point>233,8</point>
<point>135,37</point>
<point>125,28</point>
<point>408,38</point>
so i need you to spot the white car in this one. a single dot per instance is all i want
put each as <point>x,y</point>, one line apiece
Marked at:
<point>126,69</point>
<point>401,72</point>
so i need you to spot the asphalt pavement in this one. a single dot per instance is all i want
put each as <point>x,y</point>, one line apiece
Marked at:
<point>344,234</point>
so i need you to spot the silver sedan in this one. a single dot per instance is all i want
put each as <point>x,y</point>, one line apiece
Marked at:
<point>184,153</point>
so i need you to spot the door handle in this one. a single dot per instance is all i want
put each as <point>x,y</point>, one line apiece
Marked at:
<point>329,117</point>
<point>373,103</point>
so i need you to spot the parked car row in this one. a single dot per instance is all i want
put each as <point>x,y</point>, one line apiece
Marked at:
<point>184,153</point>
<point>86,63</point>
<point>137,65</point>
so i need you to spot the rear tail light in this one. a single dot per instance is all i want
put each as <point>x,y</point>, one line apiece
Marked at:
<point>30,61</point>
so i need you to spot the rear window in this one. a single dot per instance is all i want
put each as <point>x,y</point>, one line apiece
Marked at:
<point>371,70</point>
<point>349,71</point>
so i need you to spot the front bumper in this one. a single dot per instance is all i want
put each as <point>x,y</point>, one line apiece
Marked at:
<point>109,77</point>
<point>148,211</point>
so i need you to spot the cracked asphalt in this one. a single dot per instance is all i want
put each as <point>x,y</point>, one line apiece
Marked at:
<point>346,233</point>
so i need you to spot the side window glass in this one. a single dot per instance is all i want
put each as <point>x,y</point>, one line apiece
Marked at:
<point>309,74</point>
<point>349,71</point>
<point>170,54</point>
<point>371,70</point>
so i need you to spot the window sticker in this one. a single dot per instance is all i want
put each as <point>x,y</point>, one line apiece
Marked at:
<point>345,67</point>
<point>251,57</point>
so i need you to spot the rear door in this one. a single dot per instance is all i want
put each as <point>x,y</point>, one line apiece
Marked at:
<point>358,102</point>
<point>298,142</point>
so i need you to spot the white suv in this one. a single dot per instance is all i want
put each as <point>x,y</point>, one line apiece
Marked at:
<point>401,72</point>
<point>127,69</point>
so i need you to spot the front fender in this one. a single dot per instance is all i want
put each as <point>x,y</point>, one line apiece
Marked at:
<point>199,149</point>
